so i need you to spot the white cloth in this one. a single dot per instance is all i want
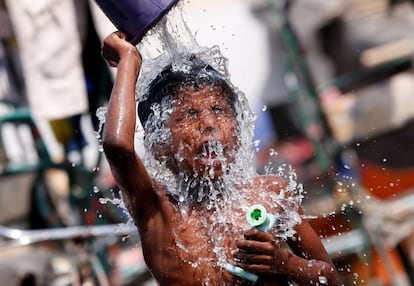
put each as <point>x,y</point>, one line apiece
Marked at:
<point>388,222</point>
<point>102,24</point>
<point>49,42</point>
<point>357,116</point>
<point>307,17</point>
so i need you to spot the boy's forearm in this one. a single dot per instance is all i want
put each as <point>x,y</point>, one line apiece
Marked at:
<point>120,122</point>
<point>310,272</point>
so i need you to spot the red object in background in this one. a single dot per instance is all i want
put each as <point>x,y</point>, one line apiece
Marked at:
<point>385,182</point>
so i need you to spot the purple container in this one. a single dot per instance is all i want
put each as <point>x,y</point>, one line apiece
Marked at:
<point>135,17</point>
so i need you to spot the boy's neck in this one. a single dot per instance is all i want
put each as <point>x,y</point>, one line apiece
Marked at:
<point>200,190</point>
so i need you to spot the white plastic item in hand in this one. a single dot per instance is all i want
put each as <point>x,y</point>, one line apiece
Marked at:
<point>258,217</point>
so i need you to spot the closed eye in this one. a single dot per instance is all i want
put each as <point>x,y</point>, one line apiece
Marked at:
<point>220,110</point>
<point>217,109</point>
<point>185,114</point>
<point>191,113</point>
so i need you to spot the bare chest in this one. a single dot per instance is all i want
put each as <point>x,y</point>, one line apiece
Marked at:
<point>193,249</point>
<point>210,236</point>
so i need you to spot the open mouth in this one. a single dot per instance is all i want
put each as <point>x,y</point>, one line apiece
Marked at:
<point>210,150</point>
<point>210,157</point>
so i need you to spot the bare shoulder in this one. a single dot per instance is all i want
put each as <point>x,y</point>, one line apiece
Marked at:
<point>270,183</point>
<point>276,193</point>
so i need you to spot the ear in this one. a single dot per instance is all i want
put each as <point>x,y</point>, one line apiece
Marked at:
<point>164,154</point>
<point>161,152</point>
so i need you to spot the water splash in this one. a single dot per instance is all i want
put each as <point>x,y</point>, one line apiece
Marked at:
<point>101,116</point>
<point>171,42</point>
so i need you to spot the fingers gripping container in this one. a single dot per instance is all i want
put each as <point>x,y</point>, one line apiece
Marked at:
<point>135,17</point>
<point>257,217</point>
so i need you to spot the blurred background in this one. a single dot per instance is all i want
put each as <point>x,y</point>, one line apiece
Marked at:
<point>331,83</point>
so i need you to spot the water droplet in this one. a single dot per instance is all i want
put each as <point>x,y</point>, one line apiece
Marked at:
<point>323,280</point>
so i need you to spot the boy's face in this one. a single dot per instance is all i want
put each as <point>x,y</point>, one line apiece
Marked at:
<point>203,132</point>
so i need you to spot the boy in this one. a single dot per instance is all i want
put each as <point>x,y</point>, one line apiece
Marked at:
<point>189,231</point>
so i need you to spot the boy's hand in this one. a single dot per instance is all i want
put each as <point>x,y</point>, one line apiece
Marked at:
<point>116,46</point>
<point>260,253</point>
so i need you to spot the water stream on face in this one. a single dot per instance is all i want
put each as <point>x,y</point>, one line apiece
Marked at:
<point>221,203</point>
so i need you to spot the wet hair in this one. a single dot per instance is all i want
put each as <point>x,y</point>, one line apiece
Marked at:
<point>169,81</point>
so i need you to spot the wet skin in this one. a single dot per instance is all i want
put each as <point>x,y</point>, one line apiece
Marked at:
<point>201,115</point>
<point>201,119</point>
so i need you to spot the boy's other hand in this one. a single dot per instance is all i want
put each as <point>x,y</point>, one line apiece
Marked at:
<point>260,253</point>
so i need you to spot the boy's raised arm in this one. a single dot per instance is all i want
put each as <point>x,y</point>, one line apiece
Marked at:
<point>118,137</point>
